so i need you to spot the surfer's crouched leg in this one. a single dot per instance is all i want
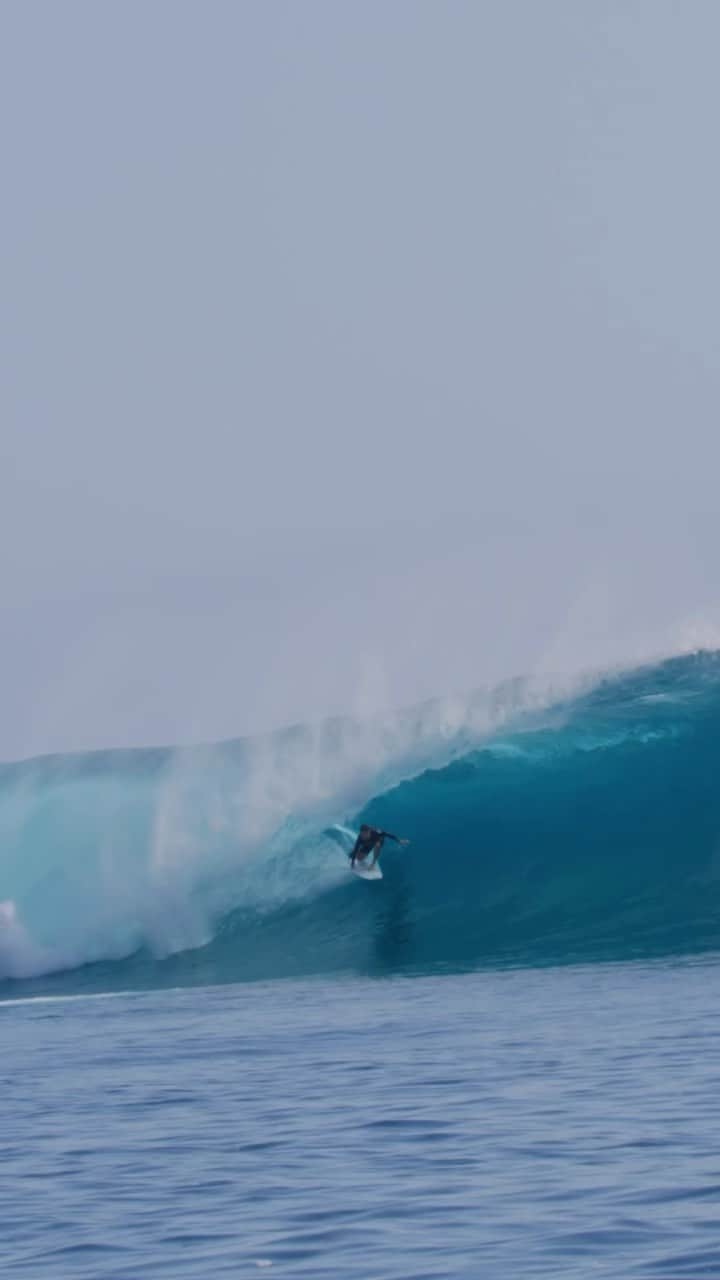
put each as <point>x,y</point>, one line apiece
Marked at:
<point>376,853</point>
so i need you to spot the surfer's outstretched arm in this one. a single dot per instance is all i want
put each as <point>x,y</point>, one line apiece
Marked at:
<point>370,840</point>
<point>381,837</point>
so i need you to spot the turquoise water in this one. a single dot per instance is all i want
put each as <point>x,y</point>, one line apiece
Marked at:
<point>549,1122</point>
<point>544,829</point>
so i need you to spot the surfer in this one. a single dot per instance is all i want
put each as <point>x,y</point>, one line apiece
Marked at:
<point>371,840</point>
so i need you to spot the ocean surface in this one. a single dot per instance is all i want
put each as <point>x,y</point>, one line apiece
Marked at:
<point>548,1122</point>
<point>221,1053</point>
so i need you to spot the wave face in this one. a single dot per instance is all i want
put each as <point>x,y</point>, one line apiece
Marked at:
<point>587,829</point>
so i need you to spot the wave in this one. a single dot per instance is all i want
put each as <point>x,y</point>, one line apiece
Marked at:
<point>544,828</point>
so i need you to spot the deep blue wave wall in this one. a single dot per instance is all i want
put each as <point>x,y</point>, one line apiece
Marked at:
<point>590,832</point>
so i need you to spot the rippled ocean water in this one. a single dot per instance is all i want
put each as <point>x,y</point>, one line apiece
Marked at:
<point>547,1122</point>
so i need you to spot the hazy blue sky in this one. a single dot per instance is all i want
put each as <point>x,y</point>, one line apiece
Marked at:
<point>352,353</point>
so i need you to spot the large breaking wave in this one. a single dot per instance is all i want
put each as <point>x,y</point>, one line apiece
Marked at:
<point>542,830</point>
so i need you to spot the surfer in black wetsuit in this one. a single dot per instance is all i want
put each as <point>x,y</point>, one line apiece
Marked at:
<point>371,840</point>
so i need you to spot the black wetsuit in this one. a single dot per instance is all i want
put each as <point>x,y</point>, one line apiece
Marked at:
<point>369,839</point>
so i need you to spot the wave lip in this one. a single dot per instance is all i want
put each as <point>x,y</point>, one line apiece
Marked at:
<point>586,829</point>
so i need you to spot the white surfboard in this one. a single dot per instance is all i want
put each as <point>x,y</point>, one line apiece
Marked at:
<point>366,873</point>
